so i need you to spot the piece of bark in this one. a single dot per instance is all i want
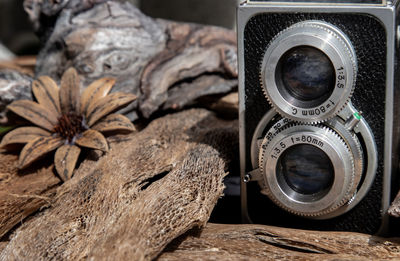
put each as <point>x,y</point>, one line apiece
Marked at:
<point>201,86</point>
<point>149,188</point>
<point>258,242</point>
<point>227,106</point>
<point>191,52</point>
<point>149,57</point>
<point>22,192</point>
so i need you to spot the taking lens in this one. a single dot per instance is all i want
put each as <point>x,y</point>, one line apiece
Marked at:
<point>306,76</point>
<point>306,169</point>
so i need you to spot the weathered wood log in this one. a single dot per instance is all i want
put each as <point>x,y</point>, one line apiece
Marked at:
<point>151,187</point>
<point>257,242</point>
<point>166,64</point>
<point>23,192</point>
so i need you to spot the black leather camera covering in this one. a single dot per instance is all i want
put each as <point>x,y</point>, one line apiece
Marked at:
<point>368,37</point>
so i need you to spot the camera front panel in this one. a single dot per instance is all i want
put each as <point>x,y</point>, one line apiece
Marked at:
<point>368,38</point>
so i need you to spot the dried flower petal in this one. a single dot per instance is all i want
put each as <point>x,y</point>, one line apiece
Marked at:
<point>65,160</point>
<point>65,118</point>
<point>23,135</point>
<point>46,93</point>
<point>108,104</point>
<point>94,92</point>
<point>38,148</point>
<point>35,113</point>
<point>70,92</point>
<point>114,122</point>
<point>93,139</point>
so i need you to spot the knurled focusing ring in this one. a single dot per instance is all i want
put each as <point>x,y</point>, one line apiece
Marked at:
<point>308,71</point>
<point>302,190</point>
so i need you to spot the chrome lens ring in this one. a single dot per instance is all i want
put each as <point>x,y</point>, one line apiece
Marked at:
<point>271,124</point>
<point>330,41</point>
<point>283,195</point>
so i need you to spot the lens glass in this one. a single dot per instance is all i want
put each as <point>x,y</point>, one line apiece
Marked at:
<point>307,75</point>
<point>306,169</point>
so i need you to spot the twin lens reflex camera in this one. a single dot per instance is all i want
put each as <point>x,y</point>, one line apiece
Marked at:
<point>318,113</point>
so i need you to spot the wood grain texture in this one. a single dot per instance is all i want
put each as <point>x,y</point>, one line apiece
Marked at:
<point>151,187</point>
<point>258,242</point>
<point>149,57</point>
<point>22,193</point>
<point>138,201</point>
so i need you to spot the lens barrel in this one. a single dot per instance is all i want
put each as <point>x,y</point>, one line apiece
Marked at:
<point>308,72</point>
<point>306,187</point>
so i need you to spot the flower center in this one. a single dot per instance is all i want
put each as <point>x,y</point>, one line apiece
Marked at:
<point>69,126</point>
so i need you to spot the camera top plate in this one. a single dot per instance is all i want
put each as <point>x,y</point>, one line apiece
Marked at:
<point>334,2</point>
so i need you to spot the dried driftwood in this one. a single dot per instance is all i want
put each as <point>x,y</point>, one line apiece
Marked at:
<point>256,242</point>
<point>23,193</point>
<point>150,188</point>
<point>166,64</point>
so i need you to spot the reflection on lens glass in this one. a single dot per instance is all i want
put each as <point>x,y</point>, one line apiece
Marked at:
<point>306,169</point>
<point>307,74</point>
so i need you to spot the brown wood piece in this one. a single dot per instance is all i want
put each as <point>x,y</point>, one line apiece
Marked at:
<point>153,59</point>
<point>258,242</point>
<point>22,193</point>
<point>148,189</point>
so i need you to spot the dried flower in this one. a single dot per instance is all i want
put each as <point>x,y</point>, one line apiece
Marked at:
<point>66,120</point>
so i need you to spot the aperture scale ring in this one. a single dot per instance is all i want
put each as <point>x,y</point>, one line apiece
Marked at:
<point>328,141</point>
<point>326,38</point>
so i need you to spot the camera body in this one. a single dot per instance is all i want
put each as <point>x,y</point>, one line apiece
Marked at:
<point>318,113</point>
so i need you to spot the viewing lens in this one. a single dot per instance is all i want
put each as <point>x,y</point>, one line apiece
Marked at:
<point>306,74</point>
<point>306,169</point>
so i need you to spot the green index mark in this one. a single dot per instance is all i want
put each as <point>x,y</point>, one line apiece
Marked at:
<point>357,115</point>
